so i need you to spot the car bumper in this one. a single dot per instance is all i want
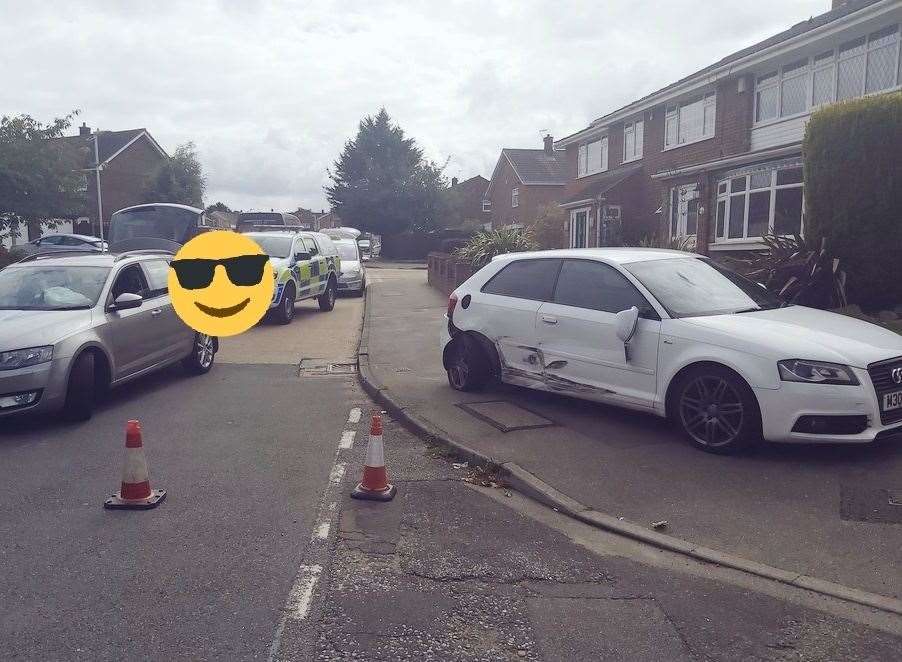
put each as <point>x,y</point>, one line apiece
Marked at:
<point>277,295</point>
<point>48,380</point>
<point>782,408</point>
<point>353,284</point>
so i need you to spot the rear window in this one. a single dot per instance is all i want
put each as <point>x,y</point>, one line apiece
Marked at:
<point>525,279</point>
<point>261,218</point>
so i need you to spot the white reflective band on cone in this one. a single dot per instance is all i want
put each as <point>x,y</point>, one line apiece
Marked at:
<point>375,456</point>
<point>135,470</point>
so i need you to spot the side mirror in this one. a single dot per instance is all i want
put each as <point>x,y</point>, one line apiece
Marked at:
<point>127,300</point>
<point>299,257</point>
<point>625,323</point>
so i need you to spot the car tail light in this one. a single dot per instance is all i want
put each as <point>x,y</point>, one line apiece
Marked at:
<point>452,304</point>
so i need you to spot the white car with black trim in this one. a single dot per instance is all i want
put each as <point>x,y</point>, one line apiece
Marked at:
<point>677,335</point>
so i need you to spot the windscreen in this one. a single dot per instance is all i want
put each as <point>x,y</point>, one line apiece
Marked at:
<point>261,218</point>
<point>51,287</point>
<point>347,251</point>
<point>273,246</point>
<point>170,223</point>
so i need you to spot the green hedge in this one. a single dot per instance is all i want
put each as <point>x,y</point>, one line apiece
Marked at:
<point>853,192</point>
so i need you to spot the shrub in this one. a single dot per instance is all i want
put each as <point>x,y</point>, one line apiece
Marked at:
<point>548,229</point>
<point>683,243</point>
<point>853,192</point>
<point>480,250</point>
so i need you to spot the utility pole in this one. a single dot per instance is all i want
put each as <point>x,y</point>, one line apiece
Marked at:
<point>97,168</point>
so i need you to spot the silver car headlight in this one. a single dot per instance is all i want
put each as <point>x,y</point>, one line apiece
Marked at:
<point>816,372</point>
<point>21,358</point>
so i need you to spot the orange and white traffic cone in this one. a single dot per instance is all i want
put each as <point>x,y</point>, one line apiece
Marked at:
<point>375,485</point>
<point>135,492</point>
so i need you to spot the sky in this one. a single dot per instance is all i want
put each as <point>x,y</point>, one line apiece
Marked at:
<point>270,91</point>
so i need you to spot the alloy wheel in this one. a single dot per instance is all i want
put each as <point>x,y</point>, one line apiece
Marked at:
<point>711,411</point>
<point>204,348</point>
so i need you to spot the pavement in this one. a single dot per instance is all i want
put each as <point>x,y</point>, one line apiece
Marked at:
<point>816,511</point>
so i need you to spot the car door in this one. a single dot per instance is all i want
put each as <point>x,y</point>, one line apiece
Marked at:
<point>319,270</point>
<point>302,269</point>
<point>506,311</point>
<point>174,339</point>
<point>132,333</point>
<point>577,335</point>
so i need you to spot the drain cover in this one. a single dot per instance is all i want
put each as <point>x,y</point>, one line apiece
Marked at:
<point>325,367</point>
<point>506,416</point>
<point>863,504</point>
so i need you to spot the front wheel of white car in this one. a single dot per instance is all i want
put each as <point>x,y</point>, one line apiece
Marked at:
<point>716,410</point>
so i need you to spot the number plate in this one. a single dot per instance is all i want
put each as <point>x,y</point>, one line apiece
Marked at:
<point>892,400</point>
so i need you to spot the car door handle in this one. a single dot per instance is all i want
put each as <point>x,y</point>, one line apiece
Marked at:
<point>156,313</point>
<point>548,319</point>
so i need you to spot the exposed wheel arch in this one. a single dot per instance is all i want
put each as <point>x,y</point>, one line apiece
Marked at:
<point>487,346</point>
<point>691,368</point>
<point>103,369</point>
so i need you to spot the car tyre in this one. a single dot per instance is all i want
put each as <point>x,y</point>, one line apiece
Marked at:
<point>469,367</point>
<point>284,313</point>
<point>81,390</point>
<point>326,300</point>
<point>203,352</point>
<point>716,410</point>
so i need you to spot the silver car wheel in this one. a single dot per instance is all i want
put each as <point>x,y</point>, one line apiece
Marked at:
<point>204,348</point>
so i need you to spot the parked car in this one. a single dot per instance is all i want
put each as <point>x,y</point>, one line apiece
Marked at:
<point>676,335</point>
<point>63,242</point>
<point>364,245</point>
<point>305,265</point>
<point>159,225</point>
<point>73,325</point>
<point>353,273</point>
<point>250,220</point>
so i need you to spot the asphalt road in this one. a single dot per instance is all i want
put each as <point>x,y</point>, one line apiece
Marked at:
<point>244,453</point>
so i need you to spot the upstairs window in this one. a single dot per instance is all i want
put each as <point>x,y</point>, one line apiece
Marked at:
<point>690,121</point>
<point>593,157</point>
<point>486,206</point>
<point>515,197</point>
<point>632,140</point>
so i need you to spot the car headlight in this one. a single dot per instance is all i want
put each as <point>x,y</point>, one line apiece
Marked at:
<point>816,372</point>
<point>20,358</point>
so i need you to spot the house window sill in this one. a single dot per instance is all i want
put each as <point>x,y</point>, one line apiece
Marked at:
<point>633,160</point>
<point>737,245</point>
<point>589,174</point>
<point>690,142</point>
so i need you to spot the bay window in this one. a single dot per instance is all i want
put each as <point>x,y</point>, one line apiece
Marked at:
<point>632,140</point>
<point>593,157</point>
<point>690,121</point>
<point>764,200</point>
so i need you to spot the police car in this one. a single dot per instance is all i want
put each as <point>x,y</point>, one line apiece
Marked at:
<point>305,265</point>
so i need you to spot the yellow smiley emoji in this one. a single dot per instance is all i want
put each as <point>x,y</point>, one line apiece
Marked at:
<point>221,283</point>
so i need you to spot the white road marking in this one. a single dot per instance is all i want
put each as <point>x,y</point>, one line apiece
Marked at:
<point>337,473</point>
<point>347,439</point>
<point>302,592</point>
<point>322,530</point>
<point>354,416</point>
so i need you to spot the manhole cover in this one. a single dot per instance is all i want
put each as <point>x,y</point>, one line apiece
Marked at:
<point>325,367</point>
<point>506,416</point>
<point>864,504</point>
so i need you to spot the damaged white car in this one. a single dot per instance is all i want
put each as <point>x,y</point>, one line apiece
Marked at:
<point>676,335</point>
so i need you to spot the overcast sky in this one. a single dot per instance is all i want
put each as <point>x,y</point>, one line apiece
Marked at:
<point>270,91</point>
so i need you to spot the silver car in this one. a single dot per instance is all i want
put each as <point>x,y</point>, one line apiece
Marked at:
<point>353,273</point>
<point>74,324</point>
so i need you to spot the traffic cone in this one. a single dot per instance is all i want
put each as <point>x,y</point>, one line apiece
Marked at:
<point>375,485</point>
<point>135,493</point>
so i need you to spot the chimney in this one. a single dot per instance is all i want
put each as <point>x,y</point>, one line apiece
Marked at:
<point>454,181</point>
<point>549,145</point>
<point>84,130</point>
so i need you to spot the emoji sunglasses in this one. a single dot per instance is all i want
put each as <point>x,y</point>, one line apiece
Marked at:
<point>197,273</point>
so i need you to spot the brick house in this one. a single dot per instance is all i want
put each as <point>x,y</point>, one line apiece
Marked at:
<point>524,181</point>
<point>121,161</point>
<point>469,199</point>
<point>717,155</point>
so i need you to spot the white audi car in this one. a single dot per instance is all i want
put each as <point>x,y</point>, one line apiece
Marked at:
<point>677,335</point>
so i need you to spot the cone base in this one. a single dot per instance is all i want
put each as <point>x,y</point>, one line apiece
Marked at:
<point>116,502</point>
<point>360,492</point>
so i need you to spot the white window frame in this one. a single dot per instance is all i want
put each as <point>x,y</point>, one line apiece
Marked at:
<point>573,213</point>
<point>582,167</point>
<point>685,193</point>
<point>726,196</point>
<point>515,197</point>
<point>486,206</point>
<point>819,63</point>
<point>636,128</point>
<point>673,111</point>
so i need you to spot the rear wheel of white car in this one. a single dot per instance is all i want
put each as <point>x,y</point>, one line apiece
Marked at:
<point>285,312</point>
<point>200,360</point>
<point>469,368</point>
<point>717,410</point>
<point>326,300</point>
<point>81,390</point>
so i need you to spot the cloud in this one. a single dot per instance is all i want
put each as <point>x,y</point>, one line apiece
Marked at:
<point>270,91</point>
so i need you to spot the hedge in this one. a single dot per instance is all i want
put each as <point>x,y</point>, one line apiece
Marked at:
<point>853,193</point>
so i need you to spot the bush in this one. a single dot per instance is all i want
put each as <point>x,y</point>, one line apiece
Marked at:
<point>480,250</point>
<point>853,192</point>
<point>548,229</point>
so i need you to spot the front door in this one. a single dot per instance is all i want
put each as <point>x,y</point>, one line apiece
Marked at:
<point>132,333</point>
<point>577,336</point>
<point>684,211</point>
<point>579,228</point>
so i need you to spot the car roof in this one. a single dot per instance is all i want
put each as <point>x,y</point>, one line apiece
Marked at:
<point>87,259</point>
<point>84,237</point>
<point>619,255</point>
<point>162,204</point>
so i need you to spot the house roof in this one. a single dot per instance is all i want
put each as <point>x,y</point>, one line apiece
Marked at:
<point>797,30</point>
<point>112,143</point>
<point>534,166</point>
<point>598,186</point>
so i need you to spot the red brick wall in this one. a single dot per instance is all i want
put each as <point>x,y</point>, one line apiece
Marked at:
<point>123,179</point>
<point>530,203</point>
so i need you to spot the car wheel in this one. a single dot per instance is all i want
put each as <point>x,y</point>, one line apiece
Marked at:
<point>717,410</point>
<point>469,368</point>
<point>326,300</point>
<point>285,312</point>
<point>81,390</point>
<point>200,360</point>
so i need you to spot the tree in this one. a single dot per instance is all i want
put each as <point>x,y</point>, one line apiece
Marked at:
<point>179,179</point>
<point>381,183</point>
<point>218,206</point>
<point>42,178</point>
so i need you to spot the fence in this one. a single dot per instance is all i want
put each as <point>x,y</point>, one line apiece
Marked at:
<point>447,272</point>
